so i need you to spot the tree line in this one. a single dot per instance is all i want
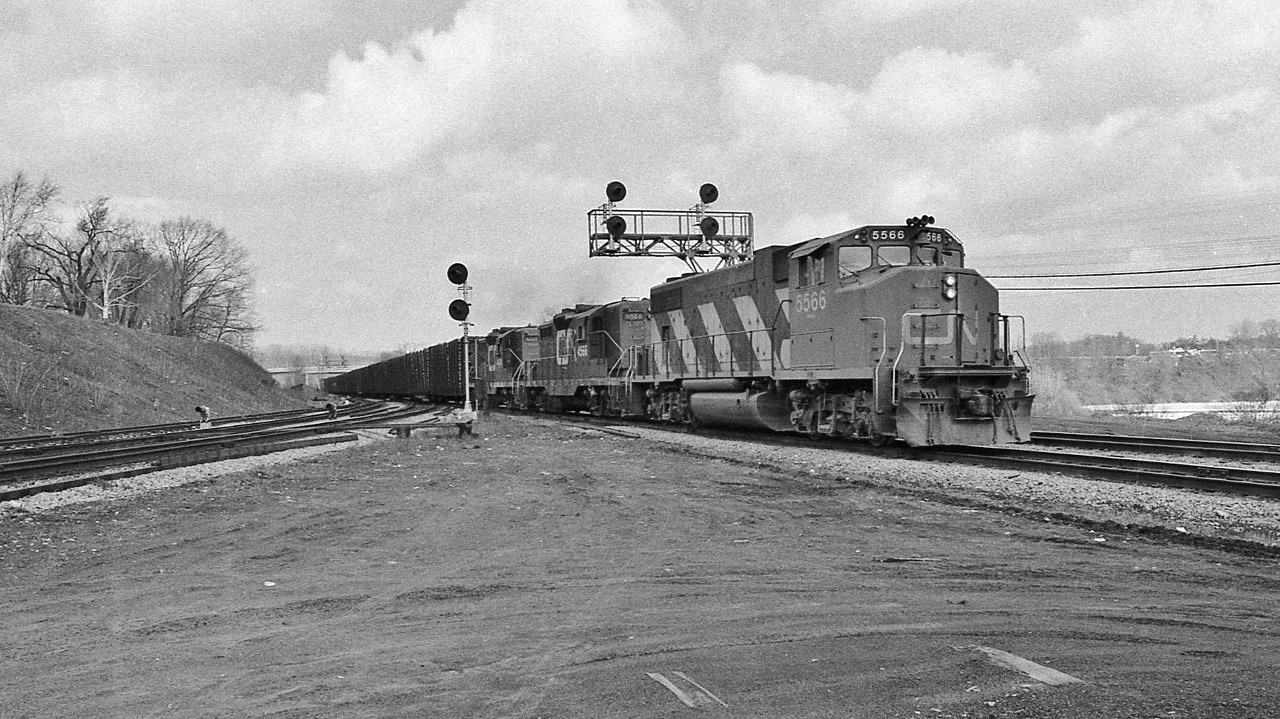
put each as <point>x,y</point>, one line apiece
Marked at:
<point>184,277</point>
<point>1243,335</point>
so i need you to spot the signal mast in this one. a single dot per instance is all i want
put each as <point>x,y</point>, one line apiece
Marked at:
<point>459,310</point>
<point>687,234</point>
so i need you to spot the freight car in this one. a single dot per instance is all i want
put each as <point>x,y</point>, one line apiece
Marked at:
<point>874,334</point>
<point>434,374</point>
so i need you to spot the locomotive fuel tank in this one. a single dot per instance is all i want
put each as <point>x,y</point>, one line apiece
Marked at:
<point>731,403</point>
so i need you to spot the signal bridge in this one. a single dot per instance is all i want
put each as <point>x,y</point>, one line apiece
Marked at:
<point>690,235</point>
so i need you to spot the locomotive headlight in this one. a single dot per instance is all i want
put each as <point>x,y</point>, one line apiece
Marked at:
<point>949,286</point>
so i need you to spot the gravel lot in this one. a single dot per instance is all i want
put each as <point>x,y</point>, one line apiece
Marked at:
<point>1208,515</point>
<point>541,570</point>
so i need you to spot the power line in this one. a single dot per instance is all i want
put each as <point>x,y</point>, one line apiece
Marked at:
<point>1112,250</point>
<point>1135,272</point>
<point>1137,287</point>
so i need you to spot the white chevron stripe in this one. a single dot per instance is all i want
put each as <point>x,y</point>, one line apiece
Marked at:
<point>755,325</point>
<point>784,300</point>
<point>719,340</point>
<point>656,355</point>
<point>680,333</point>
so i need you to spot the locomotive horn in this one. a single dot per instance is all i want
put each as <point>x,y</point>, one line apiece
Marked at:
<point>710,227</point>
<point>708,193</point>
<point>616,226</point>
<point>615,191</point>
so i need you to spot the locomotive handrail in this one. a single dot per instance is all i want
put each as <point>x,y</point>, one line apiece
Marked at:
<point>697,368</point>
<point>611,339</point>
<point>1022,324</point>
<point>902,344</point>
<point>622,352</point>
<point>884,349</point>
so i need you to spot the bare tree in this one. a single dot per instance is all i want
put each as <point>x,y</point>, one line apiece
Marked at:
<point>24,207</point>
<point>67,262</point>
<point>1270,329</point>
<point>207,283</point>
<point>121,266</point>
<point>1243,331</point>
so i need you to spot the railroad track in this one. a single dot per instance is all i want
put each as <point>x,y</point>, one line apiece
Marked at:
<point>34,465</point>
<point>1218,478</point>
<point>44,442</point>
<point>1162,445</point>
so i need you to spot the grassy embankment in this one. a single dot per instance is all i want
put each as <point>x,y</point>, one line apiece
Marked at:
<point>60,373</point>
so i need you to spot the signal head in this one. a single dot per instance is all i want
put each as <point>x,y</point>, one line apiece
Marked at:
<point>457,273</point>
<point>616,226</point>
<point>459,310</point>
<point>615,191</point>
<point>708,193</point>
<point>710,227</point>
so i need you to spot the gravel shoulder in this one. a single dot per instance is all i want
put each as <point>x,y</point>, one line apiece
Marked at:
<point>541,570</point>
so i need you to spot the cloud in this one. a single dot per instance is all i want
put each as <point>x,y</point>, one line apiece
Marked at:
<point>781,111</point>
<point>504,72</point>
<point>878,11</point>
<point>1166,53</point>
<point>932,91</point>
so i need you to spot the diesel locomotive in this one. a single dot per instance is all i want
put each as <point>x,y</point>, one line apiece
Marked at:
<point>873,334</point>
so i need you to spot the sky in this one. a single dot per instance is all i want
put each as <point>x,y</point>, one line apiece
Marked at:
<point>358,149</point>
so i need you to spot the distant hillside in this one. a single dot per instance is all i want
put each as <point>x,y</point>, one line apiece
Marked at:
<point>60,373</point>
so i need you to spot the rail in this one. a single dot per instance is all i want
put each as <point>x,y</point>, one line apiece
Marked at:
<point>1240,480</point>
<point>24,472</point>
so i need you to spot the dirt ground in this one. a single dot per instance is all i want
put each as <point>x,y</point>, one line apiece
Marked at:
<point>543,572</point>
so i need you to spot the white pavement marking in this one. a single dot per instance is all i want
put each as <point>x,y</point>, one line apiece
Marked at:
<point>674,689</point>
<point>701,688</point>
<point>1040,673</point>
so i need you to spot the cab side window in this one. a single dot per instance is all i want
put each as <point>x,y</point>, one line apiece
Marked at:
<point>813,269</point>
<point>894,255</point>
<point>854,260</point>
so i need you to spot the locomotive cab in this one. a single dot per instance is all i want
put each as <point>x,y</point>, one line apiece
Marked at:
<point>896,338</point>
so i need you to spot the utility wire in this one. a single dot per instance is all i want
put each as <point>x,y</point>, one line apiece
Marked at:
<point>1137,287</point>
<point>1135,272</point>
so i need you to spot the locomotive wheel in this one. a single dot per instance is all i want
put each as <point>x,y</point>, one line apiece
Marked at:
<point>880,440</point>
<point>694,423</point>
<point>812,431</point>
